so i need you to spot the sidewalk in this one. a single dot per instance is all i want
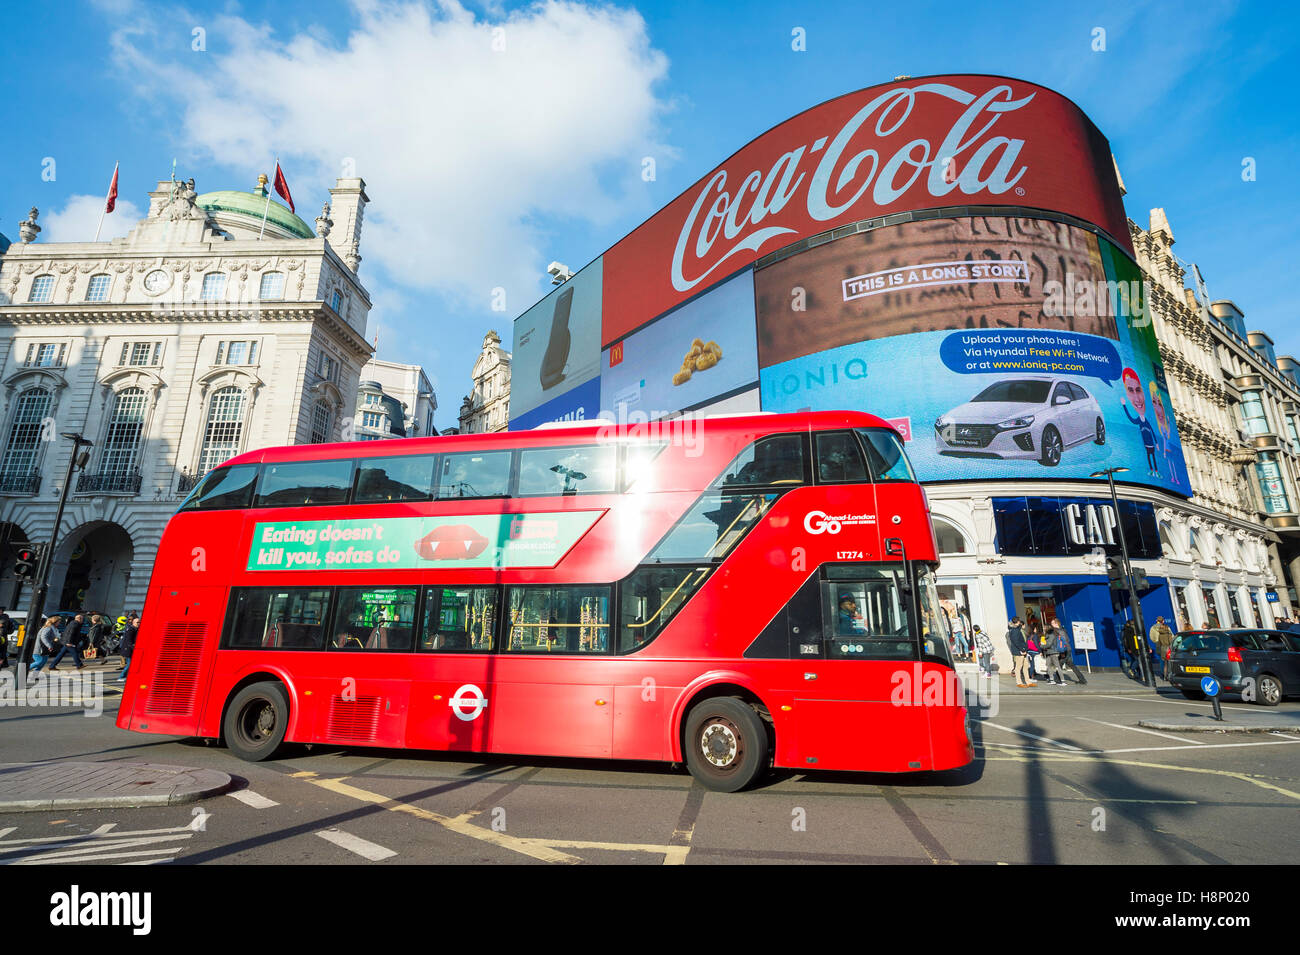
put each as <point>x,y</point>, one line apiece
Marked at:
<point>40,787</point>
<point>1200,719</point>
<point>1107,684</point>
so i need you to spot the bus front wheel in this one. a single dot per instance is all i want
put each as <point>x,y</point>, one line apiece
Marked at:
<point>726,744</point>
<point>256,721</point>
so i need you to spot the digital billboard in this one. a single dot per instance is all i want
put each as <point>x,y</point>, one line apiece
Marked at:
<point>557,342</point>
<point>923,143</point>
<point>687,358</point>
<point>1006,346</point>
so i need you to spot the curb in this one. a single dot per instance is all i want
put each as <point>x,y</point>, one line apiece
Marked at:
<point>1214,726</point>
<point>184,785</point>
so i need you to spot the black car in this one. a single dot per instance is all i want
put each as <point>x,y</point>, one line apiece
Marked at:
<point>1263,665</point>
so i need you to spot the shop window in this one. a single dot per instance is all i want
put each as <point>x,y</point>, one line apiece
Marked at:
<point>951,540</point>
<point>374,618</point>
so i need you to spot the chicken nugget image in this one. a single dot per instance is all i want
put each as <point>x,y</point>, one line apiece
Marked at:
<point>682,377</point>
<point>706,360</point>
<point>715,348</point>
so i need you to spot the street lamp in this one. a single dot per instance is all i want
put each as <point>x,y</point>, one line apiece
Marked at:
<point>1135,605</point>
<point>76,461</point>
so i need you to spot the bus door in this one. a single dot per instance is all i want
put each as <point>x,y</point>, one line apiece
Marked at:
<point>553,689</point>
<point>453,669</point>
<point>856,704</point>
<point>183,628</point>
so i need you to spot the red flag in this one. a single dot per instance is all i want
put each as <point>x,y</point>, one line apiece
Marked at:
<point>112,193</point>
<point>282,187</point>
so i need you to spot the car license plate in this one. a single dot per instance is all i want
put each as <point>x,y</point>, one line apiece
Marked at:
<point>1196,669</point>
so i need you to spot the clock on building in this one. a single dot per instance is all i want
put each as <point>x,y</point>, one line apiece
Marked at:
<point>156,281</point>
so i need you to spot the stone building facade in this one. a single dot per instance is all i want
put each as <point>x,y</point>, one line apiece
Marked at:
<point>219,324</point>
<point>487,407</point>
<point>394,401</point>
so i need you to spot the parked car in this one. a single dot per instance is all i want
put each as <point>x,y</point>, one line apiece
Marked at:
<point>1266,663</point>
<point>1034,416</point>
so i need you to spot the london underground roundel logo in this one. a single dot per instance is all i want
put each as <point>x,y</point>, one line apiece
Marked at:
<point>468,702</point>
<point>817,522</point>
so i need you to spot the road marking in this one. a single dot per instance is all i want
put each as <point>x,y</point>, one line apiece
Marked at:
<point>460,824</point>
<point>362,847</point>
<point>1139,729</point>
<point>1076,749</point>
<point>1147,699</point>
<point>1087,758</point>
<point>78,859</point>
<point>1161,749</point>
<point>250,798</point>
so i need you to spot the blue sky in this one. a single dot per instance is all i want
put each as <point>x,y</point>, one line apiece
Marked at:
<point>489,154</point>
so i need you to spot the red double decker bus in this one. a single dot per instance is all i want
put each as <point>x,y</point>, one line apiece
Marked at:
<point>733,593</point>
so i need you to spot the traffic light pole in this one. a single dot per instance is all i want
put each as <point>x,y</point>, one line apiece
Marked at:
<point>1144,657</point>
<point>43,571</point>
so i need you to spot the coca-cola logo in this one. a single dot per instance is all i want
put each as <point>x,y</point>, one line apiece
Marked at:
<point>725,222</point>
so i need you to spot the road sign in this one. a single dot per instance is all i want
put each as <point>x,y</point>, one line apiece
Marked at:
<point>1209,686</point>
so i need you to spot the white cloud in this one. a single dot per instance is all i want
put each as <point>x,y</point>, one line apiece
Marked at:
<point>463,146</point>
<point>76,221</point>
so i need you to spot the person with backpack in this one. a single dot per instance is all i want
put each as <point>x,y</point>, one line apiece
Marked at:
<point>1162,637</point>
<point>1019,653</point>
<point>1065,655</point>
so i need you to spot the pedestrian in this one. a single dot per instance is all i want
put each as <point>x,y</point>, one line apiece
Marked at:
<point>1162,638</point>
<point>127,648</point>
<point>6,628</point>
<point>1066,656</point>
<point>74,639</point>
<point>1019,653</point>
<point>1034,634</point>
<point>47,644</point>
<point>99,631</point>
<point>1292,625</point>
<point>984,649</point>
<point>1050,648</point>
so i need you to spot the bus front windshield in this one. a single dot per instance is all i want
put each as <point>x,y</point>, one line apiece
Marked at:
<point>936,629</point>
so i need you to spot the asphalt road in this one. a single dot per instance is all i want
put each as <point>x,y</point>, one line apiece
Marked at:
<point>1058,779</point>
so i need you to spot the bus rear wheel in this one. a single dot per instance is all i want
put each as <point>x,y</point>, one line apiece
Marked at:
<point>726,744</point>
<point>256,721</point>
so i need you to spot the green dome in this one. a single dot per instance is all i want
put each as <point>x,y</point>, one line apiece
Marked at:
<point>251,204</point>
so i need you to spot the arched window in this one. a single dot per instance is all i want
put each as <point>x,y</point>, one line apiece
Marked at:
<point>42,289</point>
<point>272,287</point>
<point>225,428</point>
<point>951,540</point>
<point>125,426</point>
<point>23,446</point>
<point>97,289</point>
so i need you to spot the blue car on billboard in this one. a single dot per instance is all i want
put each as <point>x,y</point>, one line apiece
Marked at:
<point>1029,417</point>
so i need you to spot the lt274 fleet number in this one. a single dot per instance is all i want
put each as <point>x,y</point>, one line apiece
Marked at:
<point>848,555</point>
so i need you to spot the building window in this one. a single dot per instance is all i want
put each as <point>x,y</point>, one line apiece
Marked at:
<point>328,368</point>
<point>224,429</point>
<point>1269,472</point>
<point>1253,418</point>
<point>272,286</point>
<point>42,289</point>
<point>214,286</point>
<point>237,353</point>
<point>320,423</point>
<point>97,290</point>
<point>24,442</point>
<point>141,353</point>
<point>125,426</point>
<point>45,355</point>
<point>371,419</point>
<point>951,540</point>
<point>336,301</point>
<point>373,400</point>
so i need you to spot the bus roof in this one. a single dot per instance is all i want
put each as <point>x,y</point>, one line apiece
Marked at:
<point>579,433</point>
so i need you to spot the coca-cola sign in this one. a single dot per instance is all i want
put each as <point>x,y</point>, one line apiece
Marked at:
<point>942,141</point>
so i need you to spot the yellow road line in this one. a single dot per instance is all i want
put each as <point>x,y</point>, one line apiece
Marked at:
<point>1052,757</point>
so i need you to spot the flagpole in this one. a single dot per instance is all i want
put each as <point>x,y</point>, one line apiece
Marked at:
<point>103,212</point>
<point>267,207</point>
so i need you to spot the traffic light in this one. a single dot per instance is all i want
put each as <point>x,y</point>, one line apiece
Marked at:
<point>1140,579</point>
<point>26,558</point>
<point>1115,571</point>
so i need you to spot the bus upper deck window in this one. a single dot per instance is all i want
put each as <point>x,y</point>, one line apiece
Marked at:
<point>224,488</point>
<point>885,455</point>
<point>778,459</point>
